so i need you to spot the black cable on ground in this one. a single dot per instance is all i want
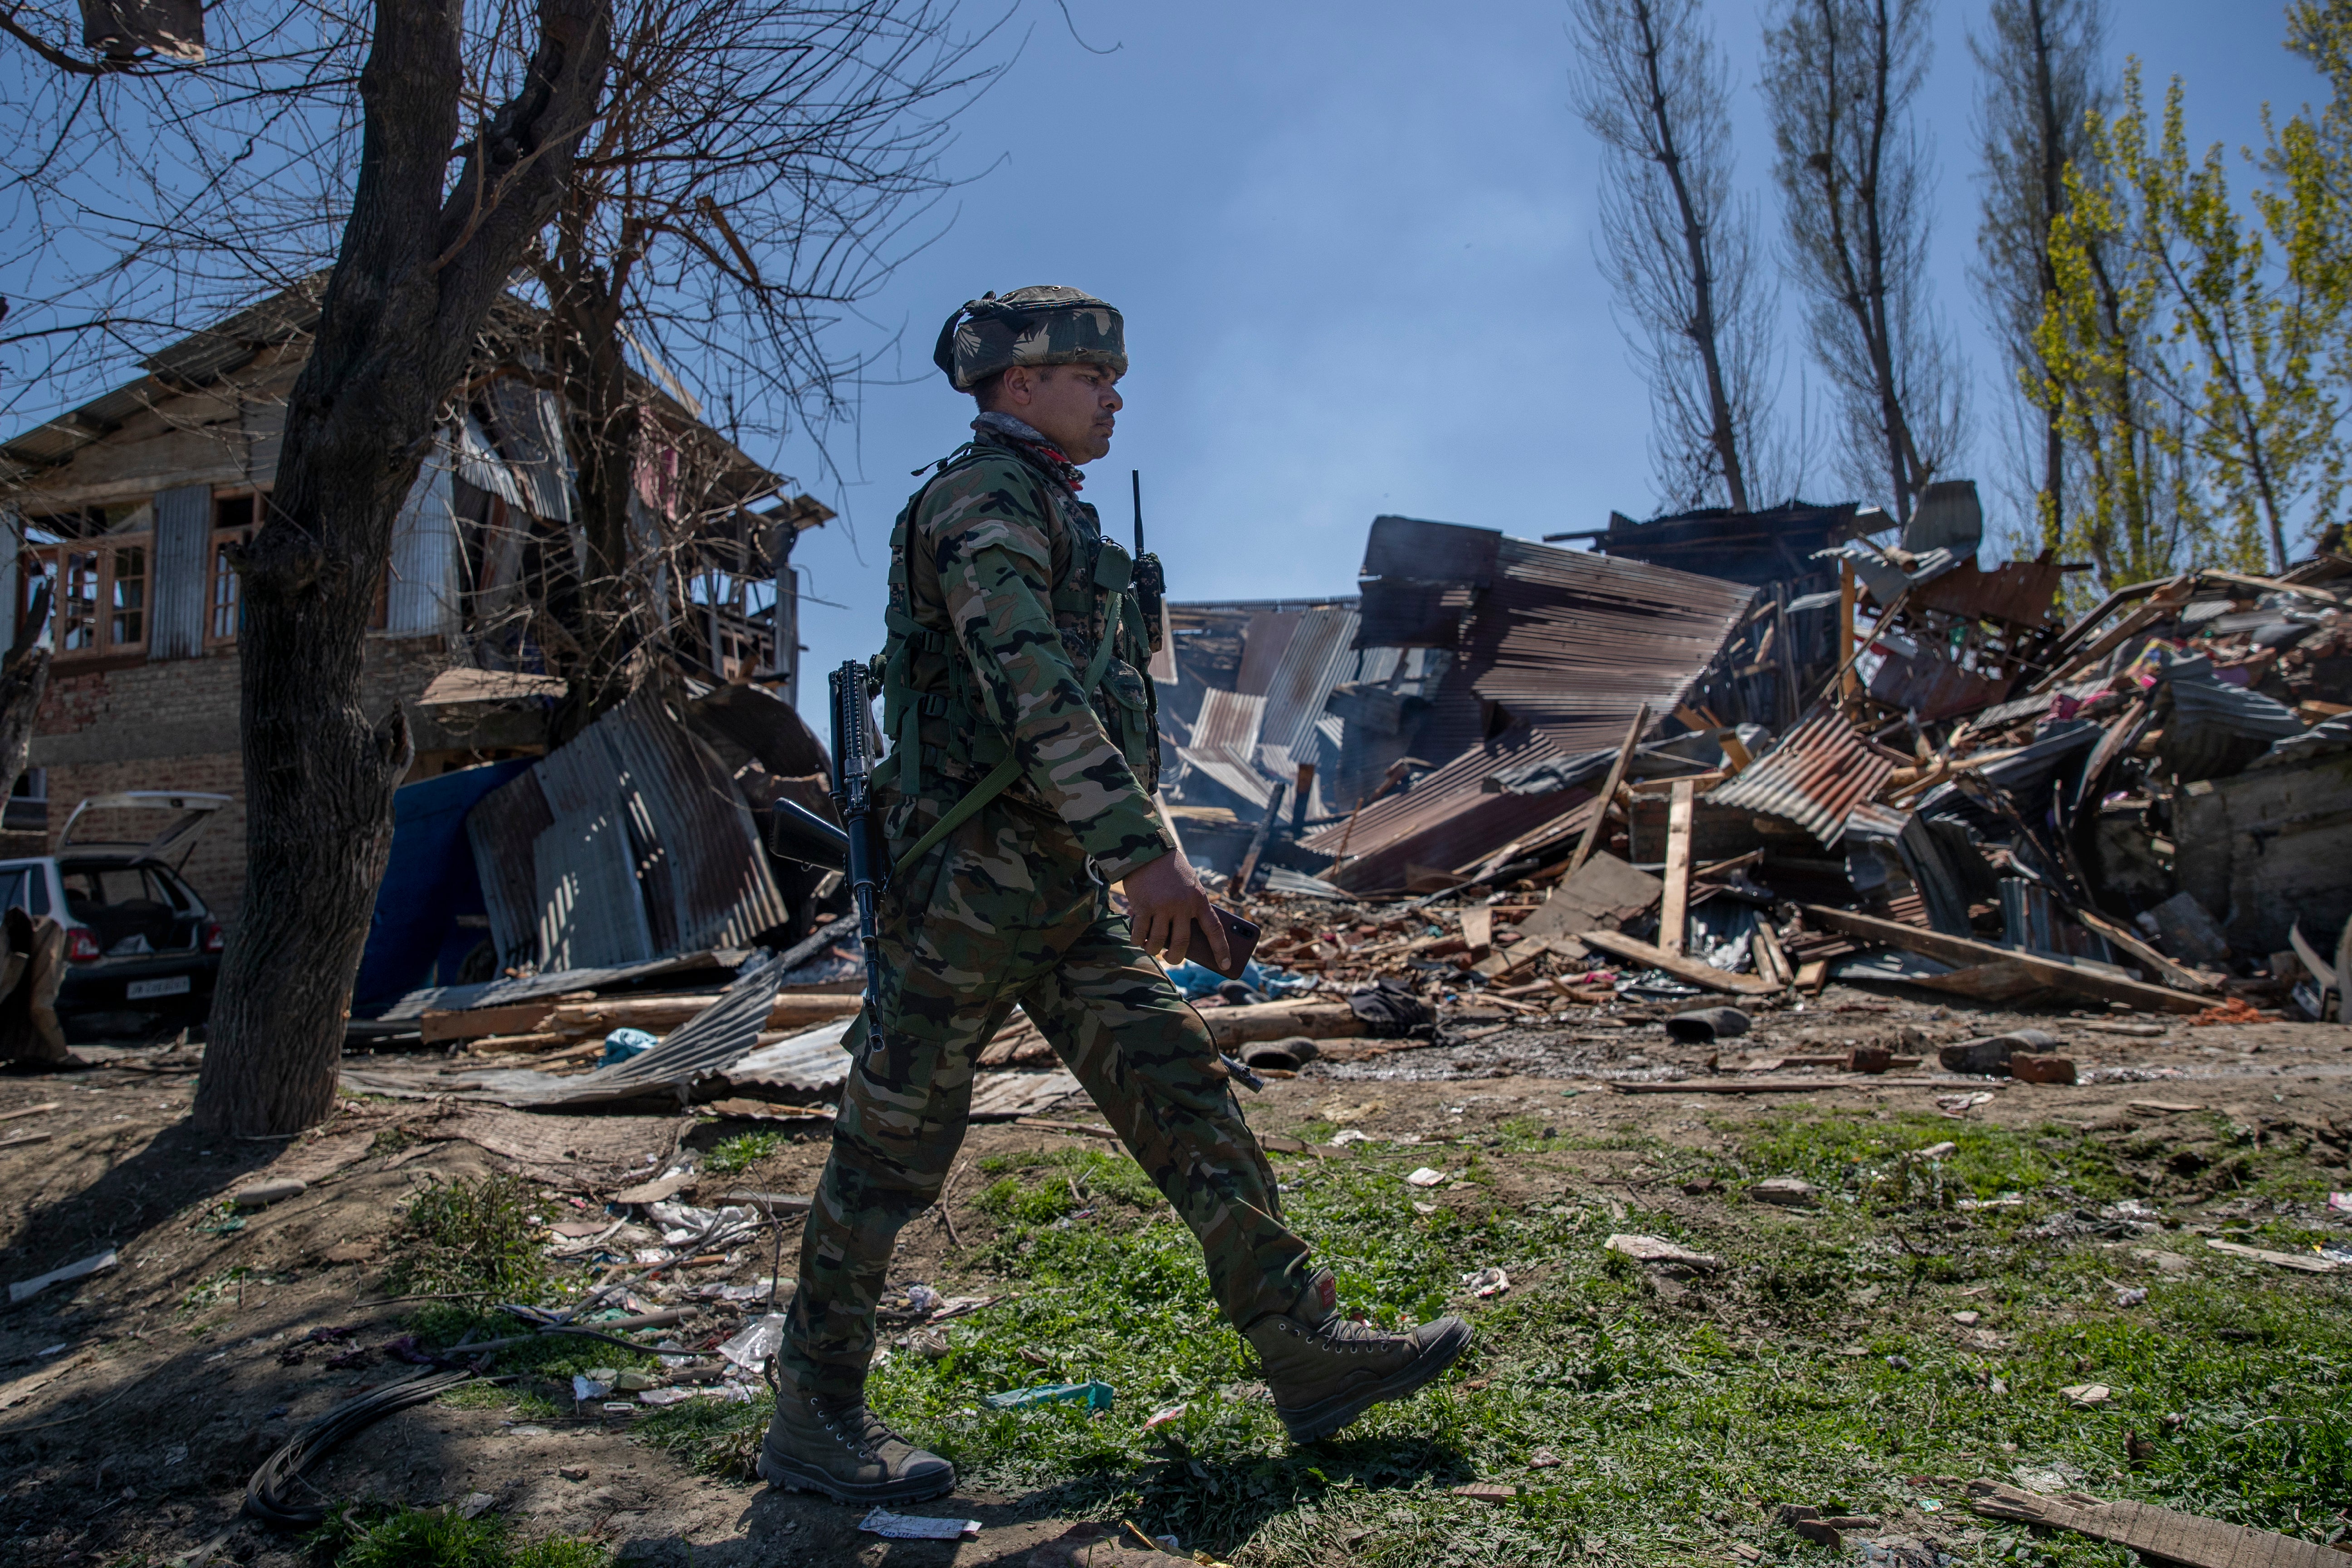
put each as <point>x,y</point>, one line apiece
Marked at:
<point>265,1496</point>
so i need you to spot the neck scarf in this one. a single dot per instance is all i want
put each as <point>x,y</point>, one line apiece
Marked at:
<point>1011,429</point>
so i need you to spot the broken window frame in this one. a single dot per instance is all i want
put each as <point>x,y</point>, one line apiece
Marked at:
<point>224,595</point>
<point>100,614</point>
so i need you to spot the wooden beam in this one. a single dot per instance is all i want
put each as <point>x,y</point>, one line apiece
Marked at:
<point>474,1024</point>
<point>1772,959</point>
<point>2158,1534</point>
<point>1705,977</point>
<point>1238,889</point>
<point>1674,911</point>
<point>2054,973</point>
<point>1608,792</point>
<point>2179,976</point>
<point>1849,679</point>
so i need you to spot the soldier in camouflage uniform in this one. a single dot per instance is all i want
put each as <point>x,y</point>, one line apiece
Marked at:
<point>1023,756</point>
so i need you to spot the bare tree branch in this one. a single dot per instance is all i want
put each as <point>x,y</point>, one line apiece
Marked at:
<point>1679,248</point>
<point>1855,179</point>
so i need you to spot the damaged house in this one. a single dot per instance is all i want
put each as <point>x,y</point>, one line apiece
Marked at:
<point>132,506</point>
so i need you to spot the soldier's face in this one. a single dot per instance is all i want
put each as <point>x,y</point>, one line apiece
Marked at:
<point>1074,405</point>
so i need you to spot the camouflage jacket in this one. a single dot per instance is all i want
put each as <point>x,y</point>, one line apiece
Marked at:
<point>1002,588</point>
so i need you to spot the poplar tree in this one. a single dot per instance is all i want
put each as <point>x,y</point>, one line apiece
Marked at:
<point>2038,83</point>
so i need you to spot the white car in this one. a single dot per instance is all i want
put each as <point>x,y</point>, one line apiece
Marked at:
<point>141,950</point>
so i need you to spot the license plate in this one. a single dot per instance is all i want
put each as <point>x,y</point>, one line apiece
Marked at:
<point>169,985</point>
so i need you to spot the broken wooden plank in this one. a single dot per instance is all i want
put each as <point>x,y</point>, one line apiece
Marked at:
<point>1772,959</point>
<point>2158,1533</point>
<point>1997,982</point>
<point>1705,977</point>
<point>1673,914</point>
<point>1957,950</point>
<point>2306,1262</point>
<point>1609,790</point>
<point>1478,930</point>
<point>2179,976</point>
<point>474,1024</point>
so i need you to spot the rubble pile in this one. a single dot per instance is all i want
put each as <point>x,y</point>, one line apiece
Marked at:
<point>2147,807</point>
<point>1513,785</point>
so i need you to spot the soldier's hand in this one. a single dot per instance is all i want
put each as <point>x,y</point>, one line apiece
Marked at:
<point>1164,897</point>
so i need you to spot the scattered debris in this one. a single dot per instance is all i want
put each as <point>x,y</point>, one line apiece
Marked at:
<point>1093,1395</point>
<point>1788,1191</point>
<point>1705,1024</point>
<point>2158,1533</point>
<point>261,1194</point>
<point>1658,1249</point>
<point>2309,1263</point>
<point>1487,1282</point>
<point>1424,1177</point>
<point>26,1290</point>
<point>2086,1395</point>
<point>916,1527</point>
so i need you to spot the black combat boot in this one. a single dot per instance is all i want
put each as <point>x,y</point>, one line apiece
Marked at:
<point>1325,1371</point>
<point>839,1447</point>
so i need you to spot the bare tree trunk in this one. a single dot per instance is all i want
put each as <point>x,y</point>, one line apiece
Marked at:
<point>588,300</point>
<point>1678,244</point>
<point>2038,62</point>
<point>417,274</point>
<point>1839,80</point>
<point>23,677</point>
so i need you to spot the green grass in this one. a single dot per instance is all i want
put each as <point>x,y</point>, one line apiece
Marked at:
<point>471,1235</point>
<point>377,1536</point>
<point>741,1153</point>
<point>1821,1366</point>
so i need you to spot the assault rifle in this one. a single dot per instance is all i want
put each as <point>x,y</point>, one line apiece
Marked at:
<point>853,796</point>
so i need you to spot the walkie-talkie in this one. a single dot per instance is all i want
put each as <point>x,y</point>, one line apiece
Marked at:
<point>1150,582</point>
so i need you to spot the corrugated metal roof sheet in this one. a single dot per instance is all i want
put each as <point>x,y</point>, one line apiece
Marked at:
<point>1561,648</point>
<point>1229,723</point>
<point>1001,1095</point>
<point>703,1047</point>
<point>1815,778</point>
<point>719,879</point>
<point>478,461</point>
<point>637,843</point>
<point>811,1060</point>
<point>531,988</point>
<point>529,421</point>
<point>1409,548</point>
<point>1226,742</point>
<point>1263,642</point>
<point>1320,649</point>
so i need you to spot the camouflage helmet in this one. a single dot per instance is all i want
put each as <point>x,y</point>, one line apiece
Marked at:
<point>1043,324</point>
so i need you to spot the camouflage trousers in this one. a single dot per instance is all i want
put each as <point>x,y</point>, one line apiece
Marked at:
<point>1006,911</point>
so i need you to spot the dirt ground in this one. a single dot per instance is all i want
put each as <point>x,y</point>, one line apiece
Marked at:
<point>133,1404</point>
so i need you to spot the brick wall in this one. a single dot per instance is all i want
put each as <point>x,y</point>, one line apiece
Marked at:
<point>172,725</point>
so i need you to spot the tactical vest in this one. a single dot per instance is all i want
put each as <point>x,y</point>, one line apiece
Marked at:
<point>947,737</point>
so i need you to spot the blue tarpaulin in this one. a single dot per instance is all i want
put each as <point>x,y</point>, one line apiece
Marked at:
<point>429,883</point>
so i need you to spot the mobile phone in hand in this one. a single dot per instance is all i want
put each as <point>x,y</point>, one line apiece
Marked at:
<point>1241,941</point>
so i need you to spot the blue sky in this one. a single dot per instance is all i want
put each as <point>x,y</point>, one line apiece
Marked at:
<point>1353,247</point>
